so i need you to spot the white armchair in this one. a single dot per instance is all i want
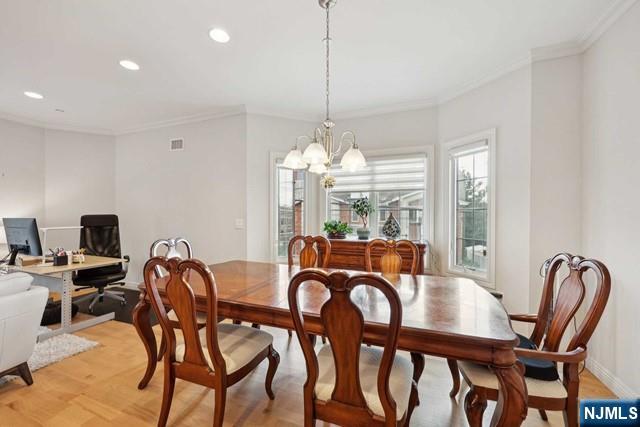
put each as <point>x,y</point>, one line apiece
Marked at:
<point>21,308</point>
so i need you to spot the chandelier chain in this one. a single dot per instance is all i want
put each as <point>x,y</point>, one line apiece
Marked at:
<point>327,41</point>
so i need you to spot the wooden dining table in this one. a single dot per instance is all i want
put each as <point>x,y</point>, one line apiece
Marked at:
<point>448,317</point>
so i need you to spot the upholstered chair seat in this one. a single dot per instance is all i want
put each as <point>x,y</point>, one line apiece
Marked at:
<point>238,344</point>
<point>481,376</point>
<point>399,382</point>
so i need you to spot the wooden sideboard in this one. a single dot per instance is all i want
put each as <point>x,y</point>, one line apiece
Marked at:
<point>349,254</point>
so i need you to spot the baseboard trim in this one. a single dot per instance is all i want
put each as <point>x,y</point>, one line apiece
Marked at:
<point>614,383</point>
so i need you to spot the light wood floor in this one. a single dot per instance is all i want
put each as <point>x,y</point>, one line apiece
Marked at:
<point>98,388</point>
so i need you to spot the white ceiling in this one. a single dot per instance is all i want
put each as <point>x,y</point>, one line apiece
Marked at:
<point>384,53</point>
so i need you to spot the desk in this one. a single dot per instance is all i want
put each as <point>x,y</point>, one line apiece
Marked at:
<point>442,316</point>
<point>60,279</point>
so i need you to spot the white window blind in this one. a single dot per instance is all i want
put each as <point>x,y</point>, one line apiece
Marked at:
<point>405,173</point>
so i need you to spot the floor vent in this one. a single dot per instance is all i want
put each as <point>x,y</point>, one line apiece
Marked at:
<point>176,144</point>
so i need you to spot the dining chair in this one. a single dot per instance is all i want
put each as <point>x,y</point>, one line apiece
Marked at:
<point>216,357</point>
<point>540,353</point>
<point>171,246</point>
<point>391,266</point>
<point>391,261</point>
<point>309,255</point>
<point>348,383</point>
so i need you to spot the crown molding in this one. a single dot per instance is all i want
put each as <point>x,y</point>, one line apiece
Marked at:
<point>279,114</point>
<point>602,24</point>
<point>556,51</point>
<point>194,118</point>
<point>387,109</point>
<point>55,126</point>
<point>455,92</point>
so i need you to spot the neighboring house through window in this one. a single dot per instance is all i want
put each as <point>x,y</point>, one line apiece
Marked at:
<point>470,190</point>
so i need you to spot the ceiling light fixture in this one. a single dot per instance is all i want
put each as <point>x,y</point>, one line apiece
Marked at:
<point>33,95</point>
<point>219,35</point>
<point>129,65</point>
<point>319,154</point>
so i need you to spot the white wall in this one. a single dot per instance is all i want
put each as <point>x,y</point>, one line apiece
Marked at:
<point>197,193</point>
<point>393,130</point>
<point>55,176</point>
<point>21,170</point>
<point>79,175</point>
<point>504,104</point>
<point>611,205</point>
<point>555,217</point>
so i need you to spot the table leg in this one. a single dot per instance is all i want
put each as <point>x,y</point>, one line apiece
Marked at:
<point>145,332</point>
<point>67,293</point>
<point>511,409</point>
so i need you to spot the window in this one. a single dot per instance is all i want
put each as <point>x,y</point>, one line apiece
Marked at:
<point>395,185</point>
<point>470,187</point>
<point>290,198</point>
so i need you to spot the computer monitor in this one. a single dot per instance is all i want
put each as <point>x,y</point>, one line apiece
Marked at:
<point>22,236</point>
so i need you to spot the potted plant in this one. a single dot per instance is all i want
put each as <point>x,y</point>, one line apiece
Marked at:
<point>362,207</point>
<point>337,229</point>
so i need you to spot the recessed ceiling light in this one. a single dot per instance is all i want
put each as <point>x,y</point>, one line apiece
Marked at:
<point>34,95</point>
<point>219,35</point>
<point>129,65</point>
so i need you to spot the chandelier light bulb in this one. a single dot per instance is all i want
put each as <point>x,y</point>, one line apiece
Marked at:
<point>353,160</point>
<point>315,154</point>
<point>318,168</point>
<point>294,160</point>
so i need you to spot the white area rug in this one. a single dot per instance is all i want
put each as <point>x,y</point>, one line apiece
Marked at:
<point>54,350</point>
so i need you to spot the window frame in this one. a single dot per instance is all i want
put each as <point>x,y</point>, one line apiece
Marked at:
<point>276,158</point>
<point>429,200</point>
<point>451,148</point>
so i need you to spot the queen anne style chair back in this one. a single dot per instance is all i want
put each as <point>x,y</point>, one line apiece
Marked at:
<point>391,261</point>
<point>348,383</point>
<point>217,356</point>
<point>541,353</point>
<point>309,253</point>
<point>171,246</point>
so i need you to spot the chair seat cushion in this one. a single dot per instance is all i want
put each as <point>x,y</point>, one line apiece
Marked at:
<point>14,283</point>
<point>480,375</point>
<point>201,318</point>
<point>544,370</point>
<point>399,382</point>
<point>238,344</point>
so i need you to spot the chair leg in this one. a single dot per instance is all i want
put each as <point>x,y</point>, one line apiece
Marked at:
<point>474,406</point>
<point>413,401</point>
<point>167,394</point>
<point>455,376</point>
<point>570,414</point>
<point>418,368</point>
<point>163,347</point>
<point>290,333</point>
<point>220,402</point>
<point>25,373</point>
<point>94,301</point>
<point>543,415</point>
<point>255,326</point>
<point>274,361</point>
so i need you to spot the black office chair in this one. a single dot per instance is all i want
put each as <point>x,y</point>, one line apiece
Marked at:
<point>100,236</point>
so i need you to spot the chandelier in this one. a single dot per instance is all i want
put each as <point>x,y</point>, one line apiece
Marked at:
<point>319,154</point>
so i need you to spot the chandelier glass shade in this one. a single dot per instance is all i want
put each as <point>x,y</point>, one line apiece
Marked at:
<point>320,153</point>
